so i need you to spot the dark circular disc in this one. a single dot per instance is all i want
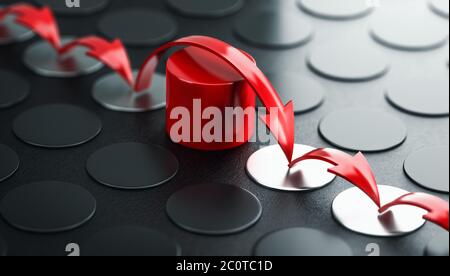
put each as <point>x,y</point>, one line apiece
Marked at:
<point>132,166</point>
<point>306,93</point>
<point>438,246</point>
<point>429,168</point>
<point>363,130</point>
<point>410,31</point>
<point>57,126</point>
<point>336,10</point>
<point>206,8</point>
<point>11,32</point>
<point>440,7</point>
<point>13,89</point>
<point>302,242</point>
<point>42,59</point>
<point>48,207</point>
<point>3,247</point>
<point>85,7</point>
<point>9,162</point>
<point>130,241</point>
<point>348,62</point>
<point>274,29</point>
<point>421,94</point>
<point>214,209</point>
<point>139,27</point>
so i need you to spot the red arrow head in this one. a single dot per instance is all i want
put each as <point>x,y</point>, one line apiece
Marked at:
<point>281,124</point>
<point>438,209</point>
<point>41,21</point>
<point>355,170</point>
<point>113,54</point>
<point>358,172</point>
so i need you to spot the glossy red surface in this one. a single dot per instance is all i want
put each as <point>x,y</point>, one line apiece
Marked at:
<point>196,74</point>
<point>195,65</point>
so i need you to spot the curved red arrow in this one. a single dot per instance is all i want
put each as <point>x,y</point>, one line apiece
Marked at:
<point>280,118</point>
<point>437,208</point>
<point>40,20</point>
<point>113,54</point>
<point>354,169</point>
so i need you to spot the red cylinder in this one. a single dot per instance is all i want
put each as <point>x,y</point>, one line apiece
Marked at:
<point>199,86</point>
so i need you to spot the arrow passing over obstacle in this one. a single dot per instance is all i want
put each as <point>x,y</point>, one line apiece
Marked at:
<point>354,169</point>
<point>437,208</point>
<point>280,119</point>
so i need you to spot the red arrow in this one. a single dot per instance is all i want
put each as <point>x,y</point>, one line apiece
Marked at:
<point>113,54</point>
<point>354,169</point>
<point>437,208</point>
<point>280,119</point>
<point>39,20</point>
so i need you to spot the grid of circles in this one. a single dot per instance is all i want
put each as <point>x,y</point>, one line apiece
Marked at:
<point>340,64</point>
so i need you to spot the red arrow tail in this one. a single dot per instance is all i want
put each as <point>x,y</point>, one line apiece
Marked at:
<point>39,20</point>
<point>282,124</point>
<point>355,170</point>
<point>113,54</point>
<point>437,208</point>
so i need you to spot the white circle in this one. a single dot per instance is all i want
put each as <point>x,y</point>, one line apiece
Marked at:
<point>269,167</point>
